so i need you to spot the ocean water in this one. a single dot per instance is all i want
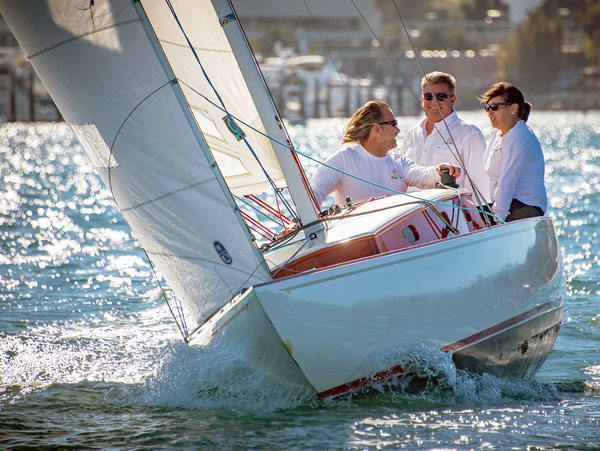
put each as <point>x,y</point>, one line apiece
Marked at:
<point>90,358</point>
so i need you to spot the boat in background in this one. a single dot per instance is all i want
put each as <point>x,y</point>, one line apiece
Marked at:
<point>167,101</point>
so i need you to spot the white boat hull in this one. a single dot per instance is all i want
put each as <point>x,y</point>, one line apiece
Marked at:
<point>494,297</point>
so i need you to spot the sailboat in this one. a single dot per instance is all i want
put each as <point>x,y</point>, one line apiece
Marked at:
<point>167,101</point>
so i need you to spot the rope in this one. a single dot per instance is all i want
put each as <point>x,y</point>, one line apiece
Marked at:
<point>229,116</point>
<point>250,127</point>
<point>454,151</point>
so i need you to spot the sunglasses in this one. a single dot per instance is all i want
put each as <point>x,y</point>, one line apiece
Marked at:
<point>494,106</point>
<point>440,96</point>
<point>394,123</point>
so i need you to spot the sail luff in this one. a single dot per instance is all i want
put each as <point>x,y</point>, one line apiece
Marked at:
<point>297,183</point>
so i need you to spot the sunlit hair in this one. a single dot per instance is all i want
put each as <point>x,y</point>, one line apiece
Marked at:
<point>359,127</point>
<point>509,93</point>
<point>438,77</point>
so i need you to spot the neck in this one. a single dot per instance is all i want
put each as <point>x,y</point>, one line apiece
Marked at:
<point>374,150</point>
<point>429,123</point>
<point>505,130</point>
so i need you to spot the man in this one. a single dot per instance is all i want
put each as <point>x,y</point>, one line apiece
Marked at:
<point>429,142</point>
<point>368,138</point>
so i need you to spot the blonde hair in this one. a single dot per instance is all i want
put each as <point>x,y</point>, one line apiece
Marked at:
<point>359,127</point>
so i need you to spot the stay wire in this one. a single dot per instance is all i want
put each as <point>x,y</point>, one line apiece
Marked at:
<point>329,54</point>
<point>455,153</point>
<point>322,163</point>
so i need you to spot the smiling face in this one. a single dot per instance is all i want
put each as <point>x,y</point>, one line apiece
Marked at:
<point>382,137</point>
<point>505,117</point>
<point>446,106</point>
<point>388,132</point>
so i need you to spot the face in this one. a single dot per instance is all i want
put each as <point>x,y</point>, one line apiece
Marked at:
<point>387,132</point>
<point>446,105</point>
<point>505,117</point>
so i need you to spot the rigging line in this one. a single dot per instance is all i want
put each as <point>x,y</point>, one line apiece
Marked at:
<point>229,116</point>
<point>330,55</point>
<point>308,239</point>
<point>454,151</point>
<point>458,158</point>
<point>476,192</point>
<point>183,326</point>
<point>250,127</point>
<point>239,291</point>
<point>261,212</point>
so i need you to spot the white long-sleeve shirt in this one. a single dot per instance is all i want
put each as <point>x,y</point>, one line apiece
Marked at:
<point>515,165</point>
<point>435,148</point>
<point>392,171</point>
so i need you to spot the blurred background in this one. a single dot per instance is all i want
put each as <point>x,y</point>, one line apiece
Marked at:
<point>325,58</point>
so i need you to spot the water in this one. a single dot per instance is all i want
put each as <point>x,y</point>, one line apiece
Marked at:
<point>90,358</point>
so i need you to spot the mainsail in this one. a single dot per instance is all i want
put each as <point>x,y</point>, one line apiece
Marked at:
<point>124,76</point>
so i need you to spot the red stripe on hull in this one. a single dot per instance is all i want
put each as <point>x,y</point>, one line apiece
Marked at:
<point>480,336</point>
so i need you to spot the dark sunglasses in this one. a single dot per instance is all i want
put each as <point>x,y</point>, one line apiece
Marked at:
<point>440,96</point>
<point>494,106</point>
<point>394,123</point>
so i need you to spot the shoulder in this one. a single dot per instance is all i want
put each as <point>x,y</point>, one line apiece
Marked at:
<point>399,160</point>
<point>468,127</point>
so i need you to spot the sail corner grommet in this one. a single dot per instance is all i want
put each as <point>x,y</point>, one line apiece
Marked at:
<point>226,19</point>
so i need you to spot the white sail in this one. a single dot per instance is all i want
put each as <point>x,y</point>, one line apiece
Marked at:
<point>138,115</point>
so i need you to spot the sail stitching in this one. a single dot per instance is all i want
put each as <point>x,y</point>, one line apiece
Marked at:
<point>81,36</point>
<point>202,49</point>
<point>170,193</point>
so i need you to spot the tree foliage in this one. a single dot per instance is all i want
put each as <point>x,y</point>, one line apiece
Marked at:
<point>532,56</point>
<point>591,32</point>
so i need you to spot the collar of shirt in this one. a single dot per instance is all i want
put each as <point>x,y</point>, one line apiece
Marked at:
<point>440,127</point>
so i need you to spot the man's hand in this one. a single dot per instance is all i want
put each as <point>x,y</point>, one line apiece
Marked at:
<point>454,171</point>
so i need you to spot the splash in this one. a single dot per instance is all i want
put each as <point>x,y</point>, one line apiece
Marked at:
<point>209,377</point>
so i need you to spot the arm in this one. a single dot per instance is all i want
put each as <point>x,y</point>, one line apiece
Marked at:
<point>324,180</point>
<point>472,152</point>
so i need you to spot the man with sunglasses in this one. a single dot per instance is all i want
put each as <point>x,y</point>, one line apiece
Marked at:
<point>364,166</point>
<point>444,137</point>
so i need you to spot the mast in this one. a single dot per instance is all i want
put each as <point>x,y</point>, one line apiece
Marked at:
<point>294,175</point>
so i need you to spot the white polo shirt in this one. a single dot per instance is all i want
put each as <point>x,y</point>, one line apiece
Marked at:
<point>392,171</point>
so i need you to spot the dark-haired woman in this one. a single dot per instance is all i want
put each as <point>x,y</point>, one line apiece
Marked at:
<point>513,160</point>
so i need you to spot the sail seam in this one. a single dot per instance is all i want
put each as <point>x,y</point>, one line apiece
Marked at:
<point>202,49</point>
<point>171,193</point>
<point>81,36</point>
